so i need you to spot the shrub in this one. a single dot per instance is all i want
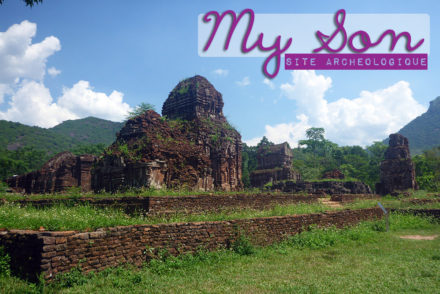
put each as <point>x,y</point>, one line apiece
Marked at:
<point>5,260</point>
<point>314,238</point>
<point>75,277</point>
<point>242,245</point>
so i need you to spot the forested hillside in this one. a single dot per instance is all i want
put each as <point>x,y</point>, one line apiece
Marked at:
<point>24,148</point>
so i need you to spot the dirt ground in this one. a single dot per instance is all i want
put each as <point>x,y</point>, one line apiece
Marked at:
<point>419,237</point>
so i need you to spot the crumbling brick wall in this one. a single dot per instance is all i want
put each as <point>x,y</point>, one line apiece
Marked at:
<point>59,252</point>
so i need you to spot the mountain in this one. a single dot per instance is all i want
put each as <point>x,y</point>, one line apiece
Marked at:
<point>89,130</point>
<point>64,136</point>
<point>423,132</point>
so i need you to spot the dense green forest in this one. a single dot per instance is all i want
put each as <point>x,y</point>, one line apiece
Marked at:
<point>90,130</point>
<point>24,148</point>
<point>428,169</point>
<point>64,136</point>
<point>316,155</point>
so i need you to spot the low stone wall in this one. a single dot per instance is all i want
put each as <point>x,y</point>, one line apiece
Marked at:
<point>51,253</point>
<point>194,204</point>
<point>353,197</point>
<point>421,201</point>
<point>327,187</point>
<point>181,204</point>
<point>422,212</point>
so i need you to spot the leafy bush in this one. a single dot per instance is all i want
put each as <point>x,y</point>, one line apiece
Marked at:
<point>3,187</point>
<point>5,260</point>
<point>183,90</point>
<point>75,277</point>
<point>242,245</point>
<point>140,109</point>
<point>315,238</point>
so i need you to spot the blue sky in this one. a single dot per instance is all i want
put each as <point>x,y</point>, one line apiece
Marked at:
<point>106,57</point>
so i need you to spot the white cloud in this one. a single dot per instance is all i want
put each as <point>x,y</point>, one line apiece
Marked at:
<point>83,101</point>
<point>221,72</point>
<point>32,104</point>
<point>253,141</point>
<point>308,90</point>
<point>4,90</point>
<point>359,121</point>
<point>285,132</point>
<point>244,82</point>
<point>53,72</point>
<point>269,83</point>
<point>22,70</point>
<point>19,58</point>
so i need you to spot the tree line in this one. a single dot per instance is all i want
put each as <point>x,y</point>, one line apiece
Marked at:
<point>311,158</point>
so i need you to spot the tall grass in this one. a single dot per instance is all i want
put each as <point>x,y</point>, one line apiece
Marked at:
<point>75,192</point>
<point>84,217</point>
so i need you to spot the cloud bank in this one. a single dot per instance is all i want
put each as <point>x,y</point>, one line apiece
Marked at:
<point>371,116</point>
<point>29,101</point>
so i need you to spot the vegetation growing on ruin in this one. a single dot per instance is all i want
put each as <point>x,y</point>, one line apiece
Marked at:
<point>183,89</point>
<point>312,262</point>
<point>121,149</point>
<point>177,123</point>
<point>346,179</point>
<point>139,110</point>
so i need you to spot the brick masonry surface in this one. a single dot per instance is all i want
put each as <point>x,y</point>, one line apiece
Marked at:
<point>353,197</point>
<point>51,253</point>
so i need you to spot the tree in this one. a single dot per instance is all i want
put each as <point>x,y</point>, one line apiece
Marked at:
<point>316,134</point>
<point>427,167</point>
<point>140,109</point>
<point>249,163</point>
<point>264,142</point>
<point>316,143</point>
<point>314,137</point>
<point>20,161</point>
<point>28,2</point>
<point>377,151</point>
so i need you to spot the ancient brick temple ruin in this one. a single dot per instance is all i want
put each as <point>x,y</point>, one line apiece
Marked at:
<point>274,164</point>
<point>397,170</point>
<point>61,172</point>
<point>191,146</point>
<point>333,174</point>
